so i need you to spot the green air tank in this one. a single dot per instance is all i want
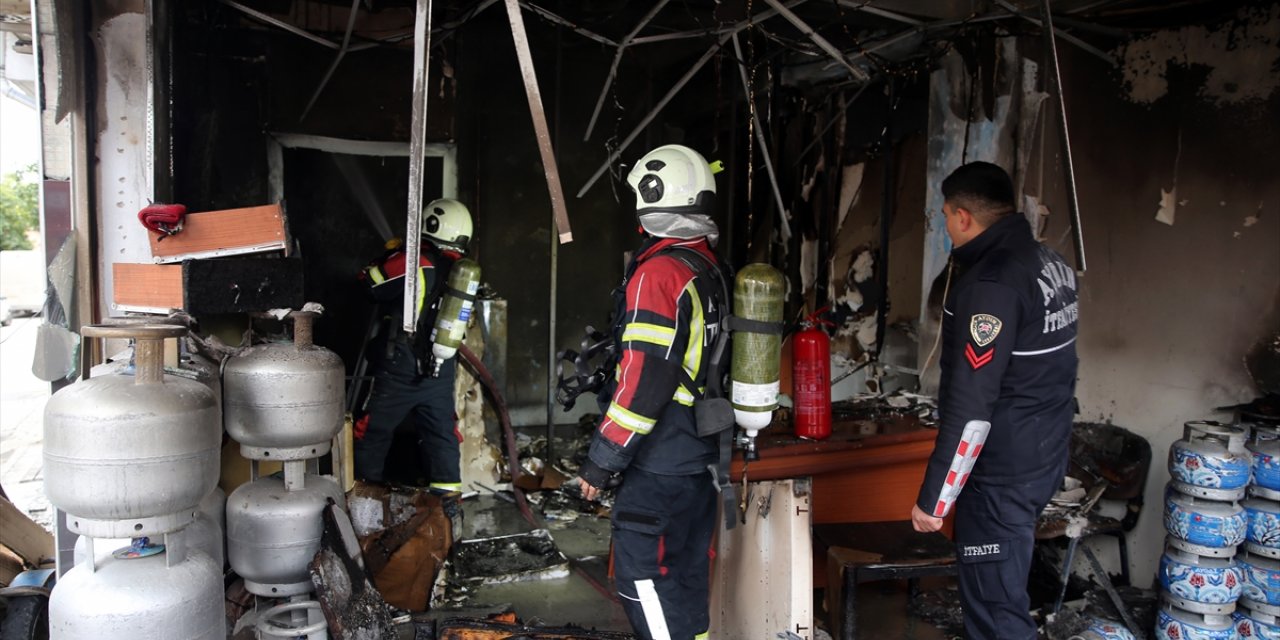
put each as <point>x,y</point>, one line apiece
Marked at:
<point>758,294</point>
<point>455,310</point>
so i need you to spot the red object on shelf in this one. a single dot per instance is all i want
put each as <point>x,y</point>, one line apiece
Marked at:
<point>811,381</point>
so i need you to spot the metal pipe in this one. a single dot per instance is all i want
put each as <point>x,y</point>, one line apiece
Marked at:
<point>280,23</point>
<point>653,113</point>
<point>817,39</point>
<point>538,113</point>
<point>303,328</point>
<point>678,35</point>
<point>160,99</point>
<point>875,11</point>
<point>149,360</point>
<point>417,140</point>
<point>547,15</point>
<point>342,51</point>
<point>1060,33</point>
<point>1077,235</point>
<point>785,225</point>
<point>617,58</point>
<point>888,203</point>
<point>554,279</point>
<point>926,28</point>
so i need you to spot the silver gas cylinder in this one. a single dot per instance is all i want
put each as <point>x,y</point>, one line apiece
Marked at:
<point>1200,584</point>
<point>1210,461</point>
<point>285,401</point>
<point>1256,623</point>
<point>1203,523</point>
<point>1264,447</point>
<point>205,533</point>
<point>140,598</point>
<point>1261,579</point>
<point>1263,533</point>
<point>132,455</point>
<point>299,618</point>
<point>1103,629</point>
<point>274,527</point>
<point>1173,623</point>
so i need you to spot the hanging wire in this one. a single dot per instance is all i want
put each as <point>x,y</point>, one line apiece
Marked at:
<point>871,58</point>
<point>751,121</point>
<point>968,116</point>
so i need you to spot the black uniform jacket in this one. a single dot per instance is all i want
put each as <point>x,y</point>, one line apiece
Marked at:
<point>1008,358</point>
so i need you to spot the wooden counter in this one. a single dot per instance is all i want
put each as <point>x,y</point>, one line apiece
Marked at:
<point>869,470</point>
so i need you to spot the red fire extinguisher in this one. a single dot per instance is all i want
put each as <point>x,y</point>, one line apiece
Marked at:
<point>811,379</point>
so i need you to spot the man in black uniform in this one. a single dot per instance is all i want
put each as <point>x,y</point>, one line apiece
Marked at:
<point>1007,392</point>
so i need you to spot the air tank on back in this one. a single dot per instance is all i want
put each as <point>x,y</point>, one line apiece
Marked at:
<point>455,311</point>
<point>757,348</point>
<point>284,401</point>
<point>132,455</point>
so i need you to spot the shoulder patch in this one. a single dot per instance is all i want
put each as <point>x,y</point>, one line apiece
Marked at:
<point>984,328</point>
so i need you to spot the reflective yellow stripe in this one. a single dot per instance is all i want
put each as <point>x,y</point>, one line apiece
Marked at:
<point>630,421</point>
<point>683,396</point>
<point>375,275</point>
<point>422,289</point>
<point>702,636</point>
<point>651,333</point>
<point>447,486</point>
<point>692,361</point>
<point>697,331</point>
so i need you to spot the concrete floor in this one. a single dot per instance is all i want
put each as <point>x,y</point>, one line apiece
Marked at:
<point>575,599</point>
<point>22,400</point>
<point>882,607</point>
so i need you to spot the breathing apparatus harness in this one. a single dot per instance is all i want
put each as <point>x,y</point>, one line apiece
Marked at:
<point>593,368</point>
<point>421,342</point>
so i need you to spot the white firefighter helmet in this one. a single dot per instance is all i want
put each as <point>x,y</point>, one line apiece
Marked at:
<point>447,223</point>
<point>675,193</point>
<point>673,179</point>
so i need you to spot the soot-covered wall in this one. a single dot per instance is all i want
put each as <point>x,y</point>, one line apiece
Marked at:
<point>500,170</point>
<point>239,81</point>
<point>1171,302</point>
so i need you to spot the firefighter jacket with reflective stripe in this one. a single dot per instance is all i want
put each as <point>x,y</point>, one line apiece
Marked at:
<point>1008,358</point>
<point>385,278</point>
<point>669,320</point>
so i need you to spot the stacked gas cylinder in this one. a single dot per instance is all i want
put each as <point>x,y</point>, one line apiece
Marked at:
<point>283,403</point>
<point>206,532</point>
<point>1258,615</point>
<point>1200,576</point>
<point>133,456</point>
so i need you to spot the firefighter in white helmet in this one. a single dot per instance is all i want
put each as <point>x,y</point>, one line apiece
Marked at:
<point>403,387</point>
<point>668,307</point>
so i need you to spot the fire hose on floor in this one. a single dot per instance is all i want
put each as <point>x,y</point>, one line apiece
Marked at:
<point>482,374</point>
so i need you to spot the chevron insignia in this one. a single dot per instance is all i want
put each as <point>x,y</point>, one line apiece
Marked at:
<point>978,360</point>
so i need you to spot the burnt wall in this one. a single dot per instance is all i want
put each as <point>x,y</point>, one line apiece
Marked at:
<point>1168,311</point>
<point>501,171</point>
<point>237,82</point>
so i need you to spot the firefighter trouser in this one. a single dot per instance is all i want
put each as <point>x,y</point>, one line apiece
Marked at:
<point>398,393</point>
<point>662,528</point>
<point>995,534</point>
